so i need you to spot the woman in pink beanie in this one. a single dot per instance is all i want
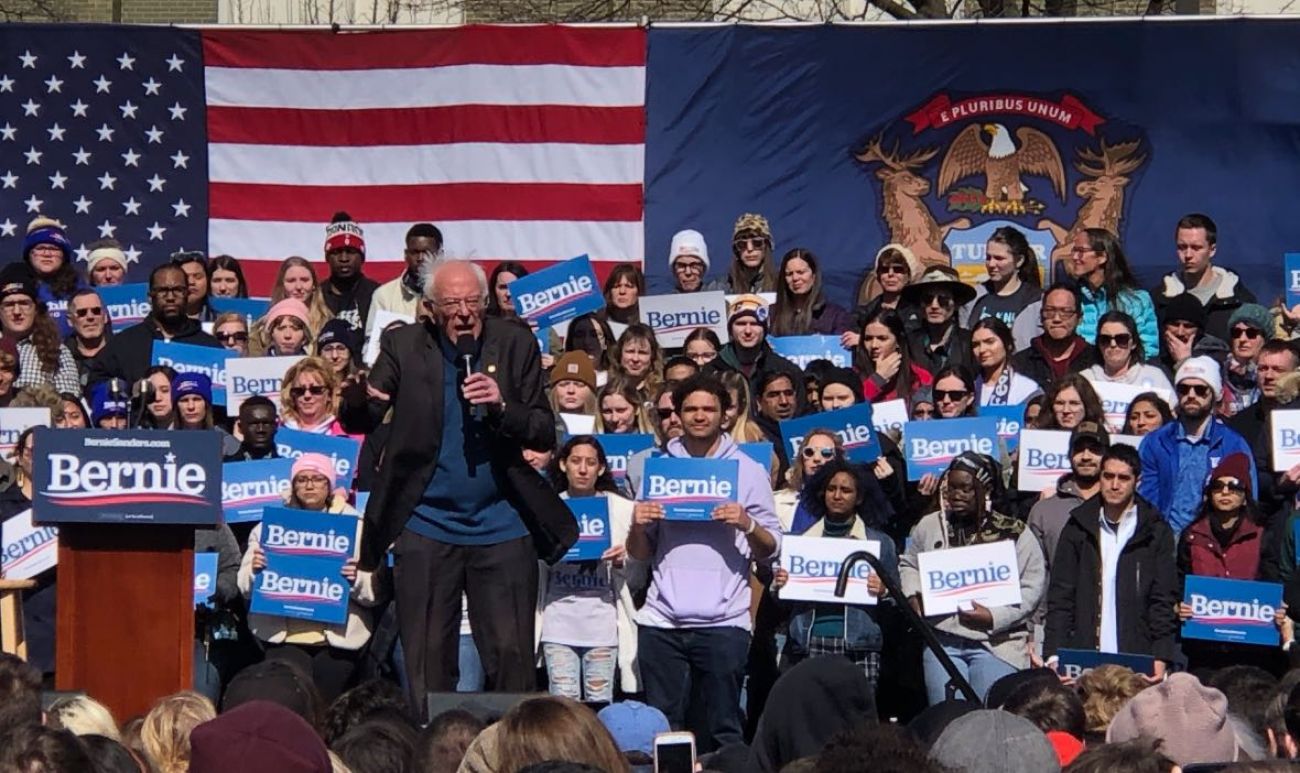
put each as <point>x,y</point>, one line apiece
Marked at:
<point>289,327</point>
<point>330,653</point>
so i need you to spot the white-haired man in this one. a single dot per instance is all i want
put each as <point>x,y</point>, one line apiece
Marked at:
<point>454,497</point>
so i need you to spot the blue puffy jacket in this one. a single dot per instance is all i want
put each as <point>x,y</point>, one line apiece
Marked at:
<point>1136,303</point>
<point>1160,469</point>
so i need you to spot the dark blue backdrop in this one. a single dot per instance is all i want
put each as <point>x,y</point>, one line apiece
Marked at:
<point>764,119</point>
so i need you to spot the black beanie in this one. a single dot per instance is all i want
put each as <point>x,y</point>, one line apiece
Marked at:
<point>1185,308</point>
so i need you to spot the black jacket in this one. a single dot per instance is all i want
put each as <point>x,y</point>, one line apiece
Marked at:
<point>1146,586</point>
<point>768,361</point>
<point>410,370</point>
<point>1032,363</point>
<point>1252,425</point>
<point>130,352</point>
<point>956,352</point>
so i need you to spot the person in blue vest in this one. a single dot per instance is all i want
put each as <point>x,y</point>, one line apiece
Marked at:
<point>1178,457</point>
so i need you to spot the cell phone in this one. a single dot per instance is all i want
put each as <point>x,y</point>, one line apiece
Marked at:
<point>675,753</point>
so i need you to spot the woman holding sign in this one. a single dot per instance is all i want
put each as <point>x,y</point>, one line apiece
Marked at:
<point>847,503</point>
<point>39,612</point>
<point>588,634</point>
<point>985,643</point>
<point>329,652</point>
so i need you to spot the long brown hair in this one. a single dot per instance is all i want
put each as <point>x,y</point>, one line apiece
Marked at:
<point>739,275</point>
<point>654,376</point>
<point>45,338</point>
<point>552,728</point>
<point>792,315</point>
<point>1092,408</point>
<point>633,274</point>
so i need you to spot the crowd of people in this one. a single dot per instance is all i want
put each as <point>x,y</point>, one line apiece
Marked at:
<point>471,457</point>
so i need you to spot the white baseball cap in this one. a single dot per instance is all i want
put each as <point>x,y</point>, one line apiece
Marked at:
<point>688,242</point>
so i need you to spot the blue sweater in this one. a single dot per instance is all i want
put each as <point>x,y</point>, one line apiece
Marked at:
<point>1171,465</point>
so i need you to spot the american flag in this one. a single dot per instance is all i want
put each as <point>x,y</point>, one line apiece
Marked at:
<point>520,143</point>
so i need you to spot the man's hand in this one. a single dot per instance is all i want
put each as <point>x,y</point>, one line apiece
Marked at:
<point>350,570</point>
<point>647,512</point>
<point>732,514</point>
<point>780,577</point>
<point>1159,673</point>
<point>1178,348</point>
<point>979,617</point>
<point>876,586</point>
<point>357,389</point>
<point>482,389</point>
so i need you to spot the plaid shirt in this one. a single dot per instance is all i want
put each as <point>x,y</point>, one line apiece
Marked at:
<point>66,379</point>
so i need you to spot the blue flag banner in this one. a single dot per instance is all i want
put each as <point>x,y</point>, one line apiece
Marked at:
<point>802,350</point>
<point>205,578</point>
<point>558,293</point>
<point>188,358</point>
<point>620,447</point>
<point>248,487</point>
<point>852,424</point>
<point>126,305</point>
<point>592,514</point>
<point>689,489</point>
<point>760,452</point>
<point>343,451</point>
<point>253,309</point>
<point>1292,279</point>
<point>929,446</point>
<point>1009,419</point>
<point>1236,611</point>
<point>127,476</point>
<point>1073,663</point>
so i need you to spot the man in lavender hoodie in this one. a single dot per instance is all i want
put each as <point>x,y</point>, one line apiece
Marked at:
<point>694,628</point>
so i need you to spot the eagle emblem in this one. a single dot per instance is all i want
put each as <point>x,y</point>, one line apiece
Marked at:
<point>1003,162</point>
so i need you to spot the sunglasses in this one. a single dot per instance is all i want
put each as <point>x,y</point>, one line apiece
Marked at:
<point>750,244</point>
<point>316,390</point>
<point>825,453</point>
<point>943,299</point>
<point>688,267</point>
<point>951,395</point>
<point>1227,484</point>
<point>94,312</point>
<point>895,269</point>
<point>1249,332</point>
<point>666,413</point>
<point>1200,390</point>
<point>232,338</point>
<point>1122,340</point>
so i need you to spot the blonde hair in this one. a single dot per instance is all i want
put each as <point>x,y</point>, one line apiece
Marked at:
<point>623,387</point>
<point>259,336</point>
<point>554,728</point>
<point>795,475</point>
<point>82,715</point>
<point>229,316</point>
<point>165,733</point>
<point>745,430</point>
<point>1104,691</point>
<point>308,365</point>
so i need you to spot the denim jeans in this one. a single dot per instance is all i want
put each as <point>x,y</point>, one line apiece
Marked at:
<point>707,664</point>
<point>581,673</point>
<point>471,668</point>
<point>980,667</point>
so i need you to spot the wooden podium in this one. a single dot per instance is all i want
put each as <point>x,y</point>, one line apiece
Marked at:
<point>126,613</point>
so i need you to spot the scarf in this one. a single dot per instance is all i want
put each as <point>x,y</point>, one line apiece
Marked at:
<point>1002,388</point>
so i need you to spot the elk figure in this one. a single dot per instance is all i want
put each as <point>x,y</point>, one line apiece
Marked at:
<point>908,218</point>
<point>1106,175</point>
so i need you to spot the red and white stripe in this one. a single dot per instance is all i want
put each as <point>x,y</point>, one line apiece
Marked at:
<point>521,143</point>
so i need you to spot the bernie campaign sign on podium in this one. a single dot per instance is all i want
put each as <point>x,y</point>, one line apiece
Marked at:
<point>620,447</point>
<point>1073,663</point>
<point>248,487</point>
<point>802,350</point>
<point>951,579</point>
<point>26,549</point>
<point>689,489</point>
<point>557,293</point>
<point>673,317</point>
<point>305,553</point>
<point>342,451</point>
<point>1044,458</point>
<point>188,358</point>
<point>205,578</point>
<point>127,476</point>
<point>852,424</point>
<point>592,515</point>
<point>813,564</point>
<point>126,305</point>
<point>930,446</point>
<point>1235,611</point>
<point>1292,279</point>
<point>1010,419</point>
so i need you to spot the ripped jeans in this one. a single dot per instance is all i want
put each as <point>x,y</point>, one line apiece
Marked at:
<point>581,673</point>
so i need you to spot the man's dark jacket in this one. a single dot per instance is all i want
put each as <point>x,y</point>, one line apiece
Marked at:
<point>130,353</point>
<point>1145,586</point>
<point>410,369</point>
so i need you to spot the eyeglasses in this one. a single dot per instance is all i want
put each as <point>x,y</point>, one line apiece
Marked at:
<point>232,338</point>
<point>1051,313</point>
<point>1122,340</point>
<point>825,453</point>
<point>21,304</point>
<point>312,480</point>
<point>334,349</point>
<point>91,312</point>
<point>943,299</point>
<point>453,305</point>
<point>894,269</point>
<point>757,243</point>
<point>1249,332</point>
<point>689,266</point>
<point>1082,250</point>
<point>1200,390</point>
<point>1227,484</point>
<point>951,395</point>
<point>316,390</point>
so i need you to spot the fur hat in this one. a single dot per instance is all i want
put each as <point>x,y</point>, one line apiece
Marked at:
<point>1189,719</point>
<point>752,223</point>
<point>343,233</point>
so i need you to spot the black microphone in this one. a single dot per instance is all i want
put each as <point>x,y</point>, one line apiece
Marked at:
<point>465,350</point>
